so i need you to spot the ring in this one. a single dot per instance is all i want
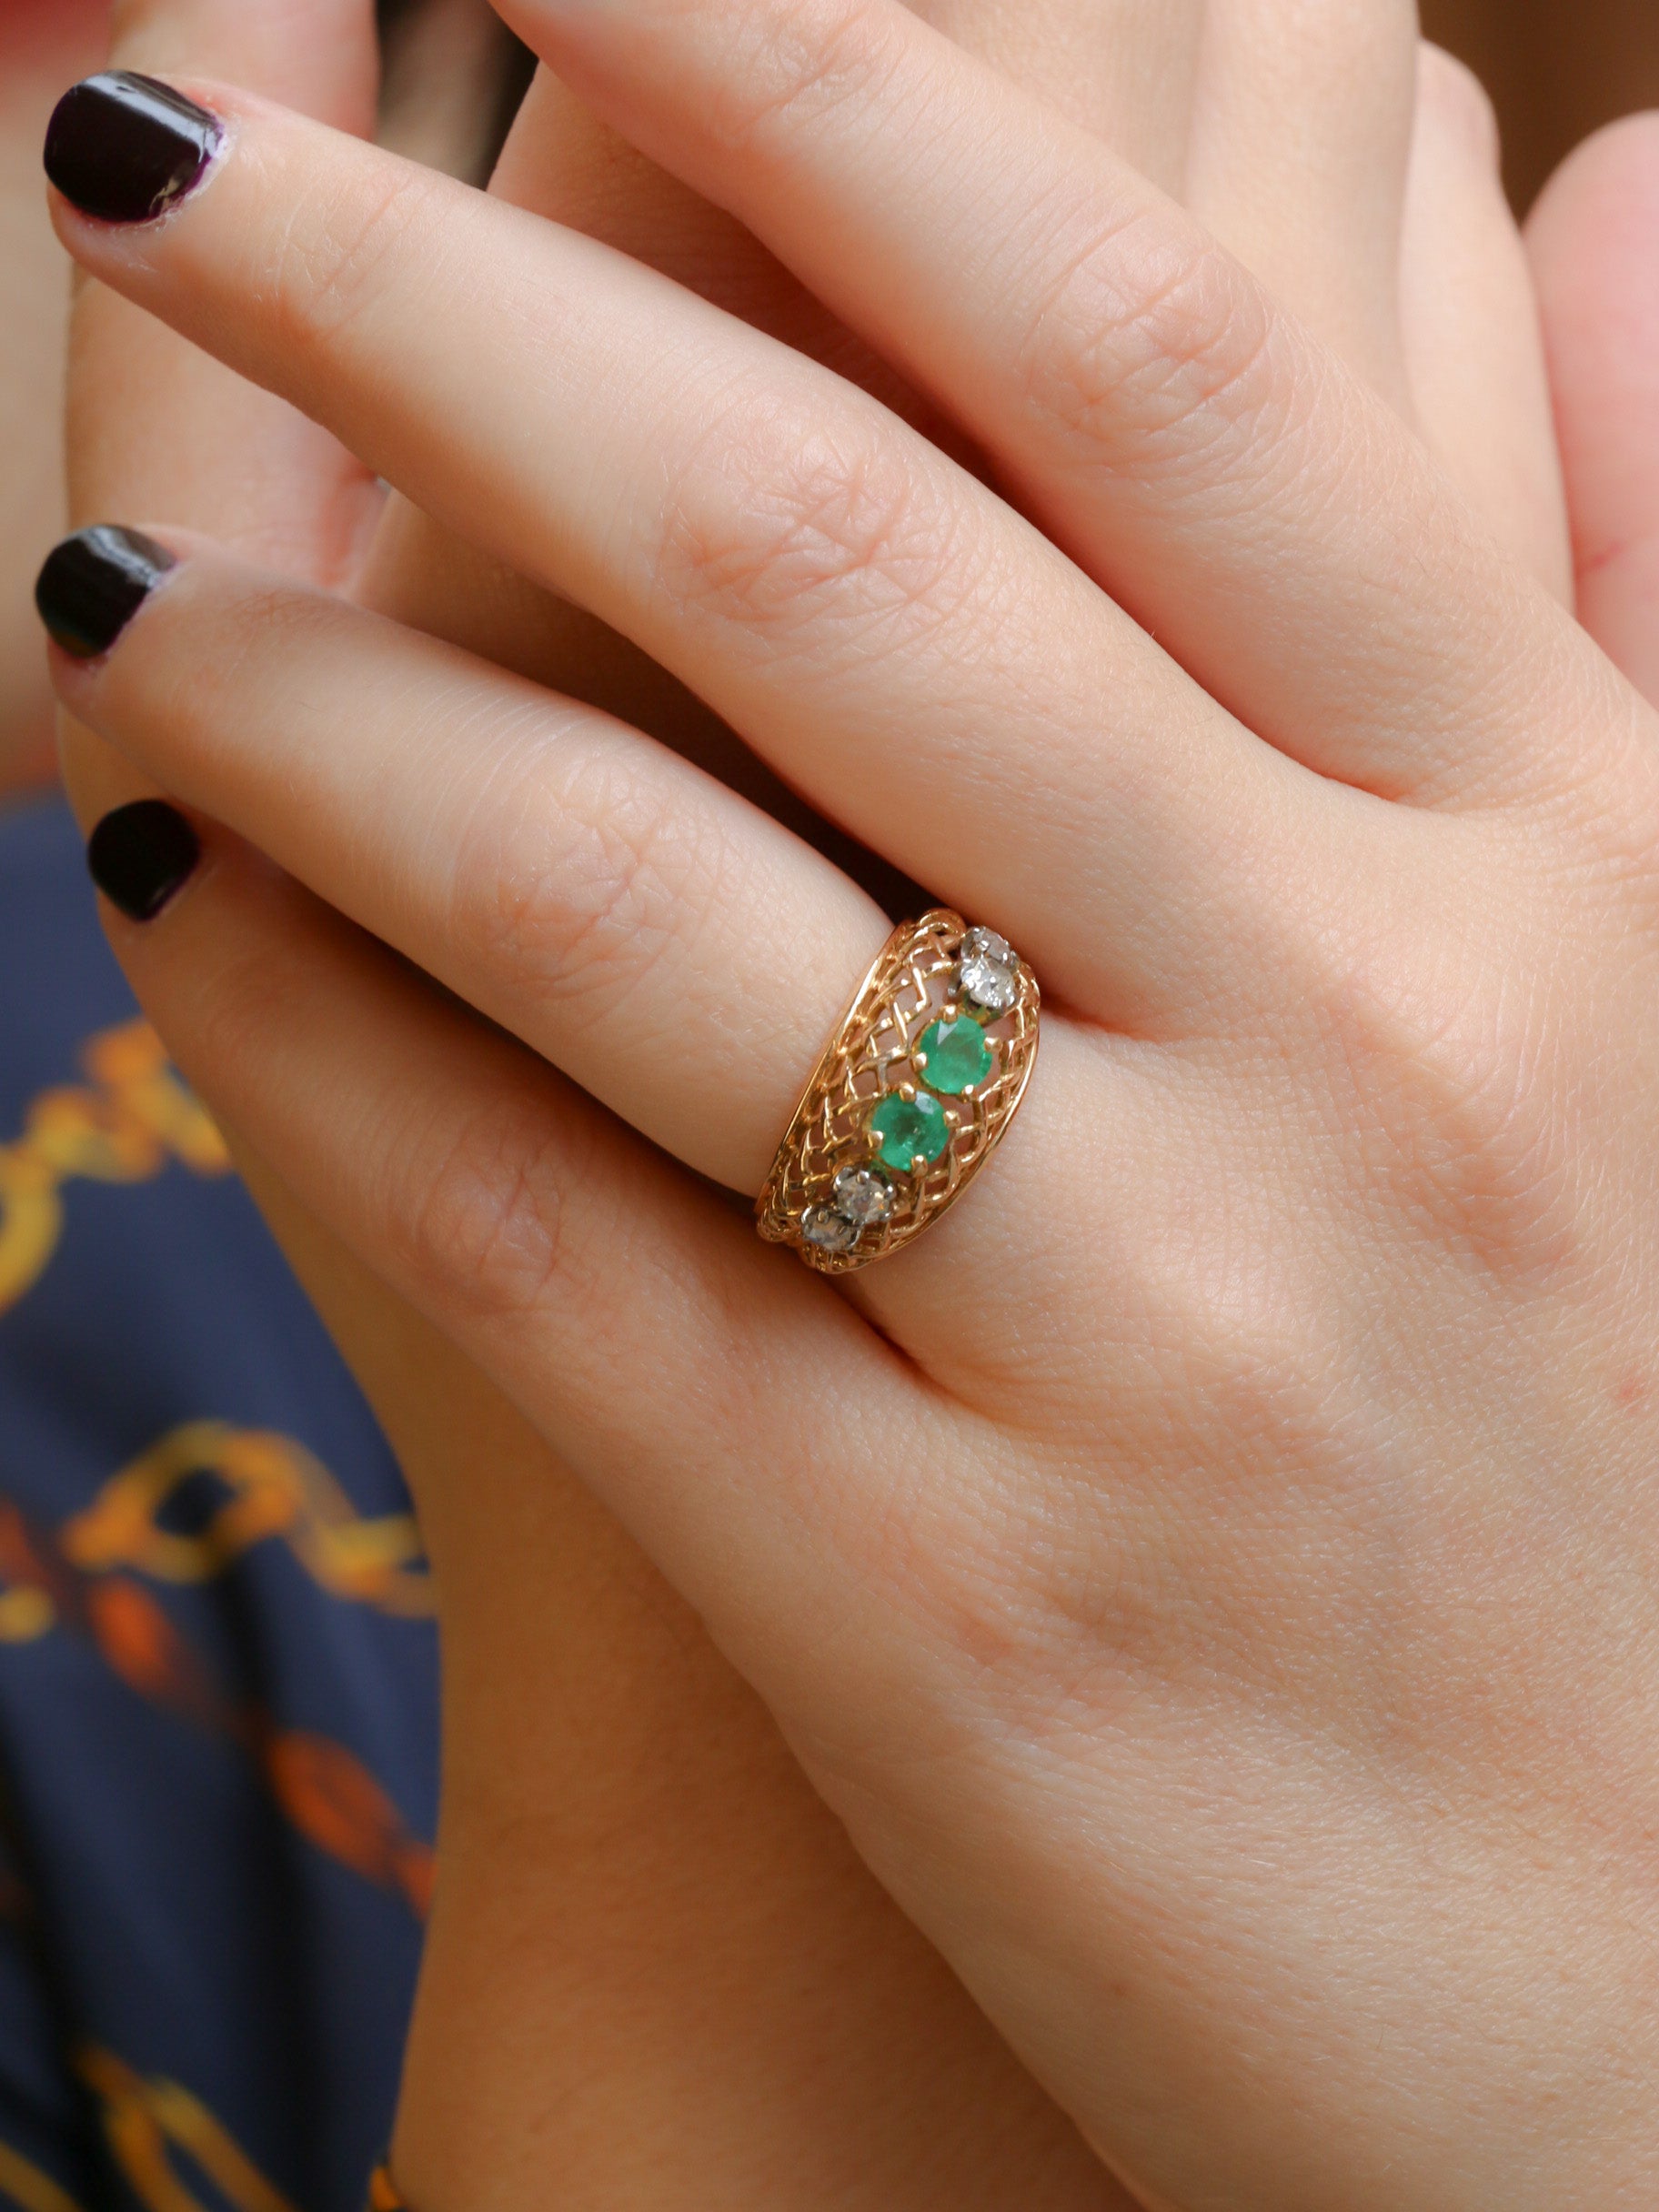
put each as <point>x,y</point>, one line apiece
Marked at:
<point>913,1093</point>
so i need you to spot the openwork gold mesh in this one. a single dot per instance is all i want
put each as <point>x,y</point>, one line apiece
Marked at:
<point>871,1056</point>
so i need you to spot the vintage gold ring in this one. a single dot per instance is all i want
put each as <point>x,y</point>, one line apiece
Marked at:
<point>914,1092</point>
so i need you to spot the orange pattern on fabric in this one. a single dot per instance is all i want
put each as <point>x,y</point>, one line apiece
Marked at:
<point>277,1488</point>
<point>147,2119</point>
<point>78,1581</point>
<point>332,1797</point>
<point>124,1126</point>
<point>28,2187</point>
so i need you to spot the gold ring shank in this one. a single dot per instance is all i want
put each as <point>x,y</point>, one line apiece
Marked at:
<point>912,1094</point>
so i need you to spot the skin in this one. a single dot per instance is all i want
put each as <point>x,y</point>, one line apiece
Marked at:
<point>973,1707</point>
<point>614,1795</point>
<point>41,48</point>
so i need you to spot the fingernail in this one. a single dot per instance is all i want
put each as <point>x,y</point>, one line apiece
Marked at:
<point>95,583</point>
<point>124,148</point>
<point>141,855</point>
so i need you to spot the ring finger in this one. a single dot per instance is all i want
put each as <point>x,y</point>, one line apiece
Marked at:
<point>578,883</point>
<point>669,946</point>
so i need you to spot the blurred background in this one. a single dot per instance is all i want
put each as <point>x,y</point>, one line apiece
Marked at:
<point>1556,68</point>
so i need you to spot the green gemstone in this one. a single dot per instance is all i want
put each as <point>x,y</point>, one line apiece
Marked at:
<point>909,1129</point>
<point>953,1056</point>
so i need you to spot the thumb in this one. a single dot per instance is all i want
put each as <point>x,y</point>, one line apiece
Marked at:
<point>1594,239</point>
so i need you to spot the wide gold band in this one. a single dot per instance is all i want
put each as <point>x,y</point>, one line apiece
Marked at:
<point>913,1091</point>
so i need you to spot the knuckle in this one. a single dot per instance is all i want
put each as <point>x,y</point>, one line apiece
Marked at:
<point>1157,358</point>
<point>233,1013</point>
<point>342,252</point>
<point>580,887</point>
<point>789,70</point>
<point>785,529</point>
<point>274,624</point>
<point>1450,1092</point>
<point>475,1208</point>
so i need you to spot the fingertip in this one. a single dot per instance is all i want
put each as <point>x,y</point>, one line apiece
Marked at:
<point>141,856</point>
<point>1593,244</point>
<point>124,148</point>
<point>91,584</point>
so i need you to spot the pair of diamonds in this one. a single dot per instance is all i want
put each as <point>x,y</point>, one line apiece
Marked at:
<point>861,1198</point>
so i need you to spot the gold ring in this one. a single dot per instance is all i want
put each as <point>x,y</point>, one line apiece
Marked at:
<point>914,1090</point>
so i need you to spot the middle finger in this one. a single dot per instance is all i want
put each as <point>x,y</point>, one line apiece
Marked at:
<point>896,639</point>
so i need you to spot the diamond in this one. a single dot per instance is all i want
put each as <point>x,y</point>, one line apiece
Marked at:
<point>953,1056</point>
<point>985,945</point>
<point>909,1129</point>
<point>863,1195</point>
<point>987,984</point>
<point>827,1230</point>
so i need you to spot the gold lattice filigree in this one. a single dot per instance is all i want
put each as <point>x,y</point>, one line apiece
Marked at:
<point>871,1056</point>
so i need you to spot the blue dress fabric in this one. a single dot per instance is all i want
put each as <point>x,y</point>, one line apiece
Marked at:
<point>218,1724</point>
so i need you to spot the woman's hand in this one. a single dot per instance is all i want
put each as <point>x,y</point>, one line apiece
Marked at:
<point>1288,969</point>
<point>651,1942</point>
<point>612,1794</point>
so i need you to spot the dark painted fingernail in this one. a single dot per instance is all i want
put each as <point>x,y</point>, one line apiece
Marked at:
<point>141,855</point>
<point>124,148</point>
<point>95,583</point>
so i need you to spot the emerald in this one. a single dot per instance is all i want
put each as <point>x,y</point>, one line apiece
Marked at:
<point>909,1129</point>
<point>953,1056</point>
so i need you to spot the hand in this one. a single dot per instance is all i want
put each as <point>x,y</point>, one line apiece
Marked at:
<point>613,1792</point>
<point>678,1529</point>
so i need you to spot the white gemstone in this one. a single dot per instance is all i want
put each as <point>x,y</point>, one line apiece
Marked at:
<point>987,983</point>
<point>827,1230</point>
<point>864,1196</point>
<point>985,944</point>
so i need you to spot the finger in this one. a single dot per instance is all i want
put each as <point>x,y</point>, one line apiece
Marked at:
<point>1123,70</point>
<point>1170,426</point>
<point>669,946</point>
<point>154,424</point>
<point>1594,240</point>
<point>1469,320</point>
<point>672,948</point>
<point>319,56</point>
<point>914,656</point>
<point>153,420</point>
<point>1301,132</point>
<point>628,1310</point>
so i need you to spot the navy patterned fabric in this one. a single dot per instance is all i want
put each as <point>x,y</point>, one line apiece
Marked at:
<point>218,1732</point>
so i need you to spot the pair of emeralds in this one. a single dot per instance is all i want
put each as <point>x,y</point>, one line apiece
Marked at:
<point>910,1133</point>
<point>952,1058</point>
